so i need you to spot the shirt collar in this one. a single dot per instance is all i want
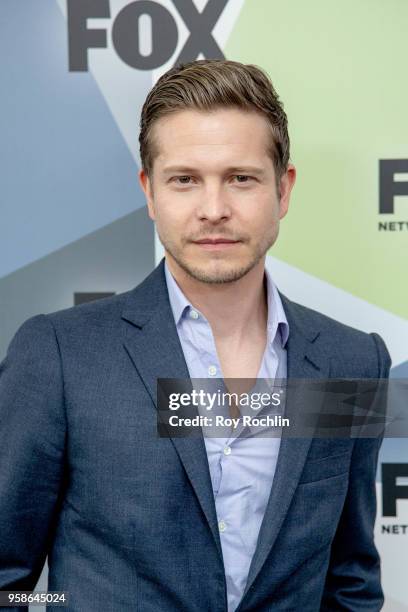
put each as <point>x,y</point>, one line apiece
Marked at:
<point>178,301</point>
<point>277,321</point>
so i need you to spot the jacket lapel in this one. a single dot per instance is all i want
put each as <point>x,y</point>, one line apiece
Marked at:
<point>304,361</point>
<point>152,342</point>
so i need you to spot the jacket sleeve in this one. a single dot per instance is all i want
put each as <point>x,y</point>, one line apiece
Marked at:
<point>353,579</point>
<point>32,441</point>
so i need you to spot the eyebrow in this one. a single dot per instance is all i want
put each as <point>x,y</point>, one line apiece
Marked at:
<point>231,170</point>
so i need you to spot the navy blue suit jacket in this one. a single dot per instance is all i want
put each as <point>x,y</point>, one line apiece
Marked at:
<point>128,519</point>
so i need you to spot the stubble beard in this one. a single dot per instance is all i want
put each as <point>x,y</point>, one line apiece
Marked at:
<point>225,272</point>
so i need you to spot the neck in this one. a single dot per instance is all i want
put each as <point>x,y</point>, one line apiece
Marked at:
<point>233,309</point>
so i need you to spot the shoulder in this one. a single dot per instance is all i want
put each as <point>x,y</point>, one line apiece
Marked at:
<point>100,318</point>
<point>133,305</point>
<point>98,312</point>
<point>351,351</point>
<point>41,335</point>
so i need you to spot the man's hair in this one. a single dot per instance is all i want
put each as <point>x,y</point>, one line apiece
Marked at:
<point>206,85</point>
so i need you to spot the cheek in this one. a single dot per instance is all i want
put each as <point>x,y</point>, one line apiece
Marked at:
<point>171,216</point>
<point>261,215</point>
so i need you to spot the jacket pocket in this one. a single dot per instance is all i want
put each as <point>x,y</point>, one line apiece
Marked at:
<point>326,467</point>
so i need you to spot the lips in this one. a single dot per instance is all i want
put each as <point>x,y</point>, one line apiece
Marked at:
<point>215,241</point>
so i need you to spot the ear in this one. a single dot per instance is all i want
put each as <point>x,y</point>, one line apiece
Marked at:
<point>146,186</point>
<point>286,184</point>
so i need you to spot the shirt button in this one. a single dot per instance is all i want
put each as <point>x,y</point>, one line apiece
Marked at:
<point>212,370</point>
<point>222,526</point>
<point>227,450</point>
<point>194,314</point>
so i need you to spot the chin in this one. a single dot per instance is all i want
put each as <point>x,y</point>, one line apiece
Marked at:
<point>217,272</point>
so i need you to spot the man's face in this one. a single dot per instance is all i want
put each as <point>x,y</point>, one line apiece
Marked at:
<point>212,192</point>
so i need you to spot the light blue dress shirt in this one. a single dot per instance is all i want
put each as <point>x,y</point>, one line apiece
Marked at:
<point>241,468</point>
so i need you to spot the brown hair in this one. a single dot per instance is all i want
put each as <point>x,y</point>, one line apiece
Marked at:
<point>207,84</point>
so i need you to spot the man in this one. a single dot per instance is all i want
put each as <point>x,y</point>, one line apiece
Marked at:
<point>132,521</point>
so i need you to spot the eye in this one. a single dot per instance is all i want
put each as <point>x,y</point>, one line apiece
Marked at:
<point>242,178</point>
<point>182,180</point>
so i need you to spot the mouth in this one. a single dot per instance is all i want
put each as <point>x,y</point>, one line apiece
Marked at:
<point>211,244</point>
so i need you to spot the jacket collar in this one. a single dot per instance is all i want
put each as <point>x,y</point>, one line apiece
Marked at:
<point>142,301</point>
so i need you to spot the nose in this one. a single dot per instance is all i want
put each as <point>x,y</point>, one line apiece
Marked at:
<point>214,205</point>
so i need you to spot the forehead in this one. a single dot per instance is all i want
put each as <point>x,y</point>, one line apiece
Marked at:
<point>230,135</point>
